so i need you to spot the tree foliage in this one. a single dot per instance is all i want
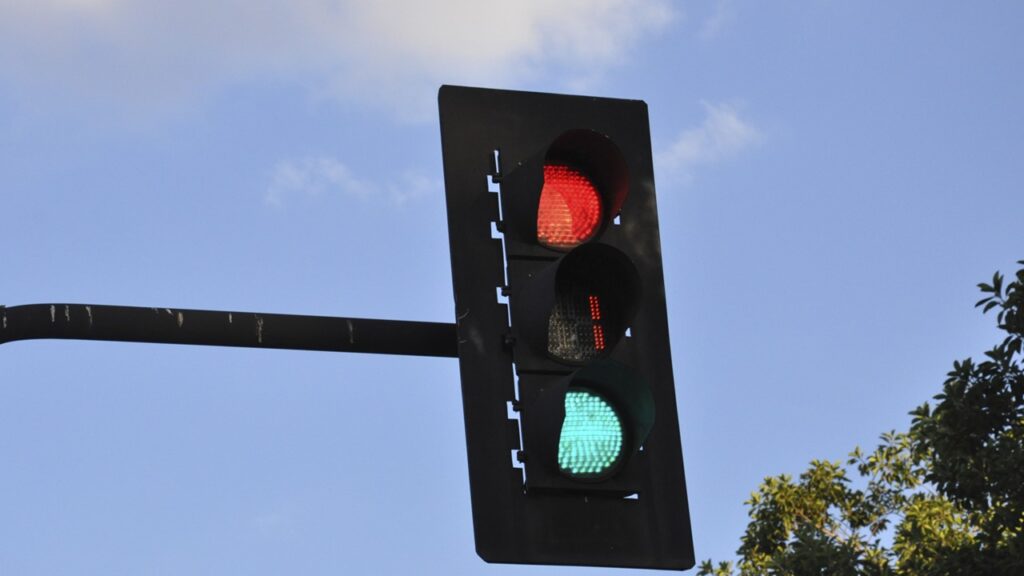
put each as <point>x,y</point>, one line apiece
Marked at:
<point>945,497</point>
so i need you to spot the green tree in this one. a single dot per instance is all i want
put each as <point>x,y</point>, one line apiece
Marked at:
<point>944,498</point>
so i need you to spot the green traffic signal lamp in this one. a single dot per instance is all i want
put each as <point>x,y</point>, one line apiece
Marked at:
<point>590,444</point>
<point>582,431</point>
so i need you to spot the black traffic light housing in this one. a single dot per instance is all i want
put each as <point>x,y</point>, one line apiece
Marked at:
<point>568,393</point>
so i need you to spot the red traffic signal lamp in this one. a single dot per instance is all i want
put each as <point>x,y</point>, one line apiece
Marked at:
<point>568,393</point>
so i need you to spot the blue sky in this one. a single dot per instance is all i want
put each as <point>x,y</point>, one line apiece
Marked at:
<point>833,180</point>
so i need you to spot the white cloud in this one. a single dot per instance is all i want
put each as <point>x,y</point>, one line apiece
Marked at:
<point>723,13</point>
<point>322,176</point>
<point>722,135</point>
<point>387,51</point>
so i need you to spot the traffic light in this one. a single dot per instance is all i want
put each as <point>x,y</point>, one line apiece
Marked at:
<point>567,385</point>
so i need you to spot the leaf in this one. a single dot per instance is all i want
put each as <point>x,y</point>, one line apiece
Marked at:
<point>1014,346</point>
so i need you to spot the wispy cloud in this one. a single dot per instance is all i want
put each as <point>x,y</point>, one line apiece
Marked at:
<point>723,12</point>
<point>722,135</point>
<point>390,52</point>
<point>327,178</point>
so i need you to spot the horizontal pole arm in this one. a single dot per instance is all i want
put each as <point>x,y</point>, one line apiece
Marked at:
<point>217,328</point>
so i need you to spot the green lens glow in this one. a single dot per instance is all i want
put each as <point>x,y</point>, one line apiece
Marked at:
<point>591,439</point>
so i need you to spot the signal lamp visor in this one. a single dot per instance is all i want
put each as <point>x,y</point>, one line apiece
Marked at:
<point>591,442</point>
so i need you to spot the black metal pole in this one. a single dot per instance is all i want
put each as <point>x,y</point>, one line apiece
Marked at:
<point>217,328</point>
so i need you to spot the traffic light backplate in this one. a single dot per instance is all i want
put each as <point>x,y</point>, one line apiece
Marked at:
<point>500,147</point>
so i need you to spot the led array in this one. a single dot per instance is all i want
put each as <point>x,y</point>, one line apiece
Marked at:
<point>575,329</point>
<point>591,439</point>
<point>595,316</point>
<point>570,208</point>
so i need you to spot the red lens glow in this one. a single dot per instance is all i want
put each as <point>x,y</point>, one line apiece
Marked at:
<point>570,208</point>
